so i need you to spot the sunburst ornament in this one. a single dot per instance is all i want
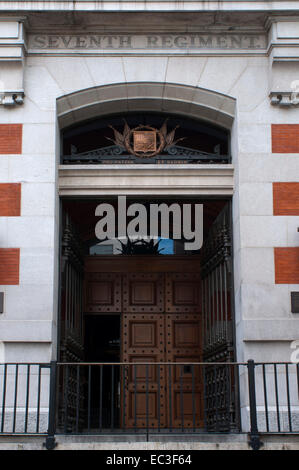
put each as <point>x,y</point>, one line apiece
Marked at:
<point>144,141</point>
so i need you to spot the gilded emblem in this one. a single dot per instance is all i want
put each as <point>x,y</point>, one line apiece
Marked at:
<point>144,141</point>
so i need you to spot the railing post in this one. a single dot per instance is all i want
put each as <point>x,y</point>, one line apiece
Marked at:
<point>50,443</point>
<point>254,442</point>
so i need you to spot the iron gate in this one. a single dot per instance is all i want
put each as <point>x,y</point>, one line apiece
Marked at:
<point>221,383</point>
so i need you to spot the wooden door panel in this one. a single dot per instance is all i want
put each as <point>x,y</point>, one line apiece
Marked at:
<point>183,335</point>
<point>138,404</point>
<point>172,397</point>
<point>143,292</point>
<point>187,409</point>
<point>182,292</point>
<point>143,342</point>
<point>103,293</point>
<point>145,400</point>
<point>185,403</point>
<point>143,334</point>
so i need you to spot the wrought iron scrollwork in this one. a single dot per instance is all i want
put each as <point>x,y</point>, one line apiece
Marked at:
<point>117,154</point>
<point>180,151</point>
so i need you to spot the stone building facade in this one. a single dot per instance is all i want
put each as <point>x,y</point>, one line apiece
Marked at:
<point>232,66</point>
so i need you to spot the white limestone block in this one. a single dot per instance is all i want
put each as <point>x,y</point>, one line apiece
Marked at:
<point>28,302</point>
<point>263,231</point>
<point>251,88</point>
<point>267,167</point>
<point>4,161</point>
<point>70,73</point>
<point>257,265</point>
<point>36,266</point>
<point>3,232</point>
<point>27,351</point>
<point>32,168</point>
<point>26,331</point>
<point>221,73</point>
<point>31,232</point>
<point>186,70</point>
<point>105,70</point>
<point>255,198</point>
<point>44,97</point>
<point>38,199</point>
<point>261,300</point>
<point>149,69</point>
<point>292,230</point>
<point>11,76</point>
<point>254,138</point>
<point>269,330</point>
<point>38,139</point>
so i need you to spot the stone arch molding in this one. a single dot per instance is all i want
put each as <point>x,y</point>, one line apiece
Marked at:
<point>175,98</point>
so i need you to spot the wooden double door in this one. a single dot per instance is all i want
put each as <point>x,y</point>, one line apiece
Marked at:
<point>160,339</point>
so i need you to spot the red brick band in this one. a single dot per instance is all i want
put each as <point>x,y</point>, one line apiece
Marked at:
<point>285,138</point>
<point>286,265</point>
<point>285,198</point>
<point>9,266</point>
<point>11,138</point>
<point>10,199</point>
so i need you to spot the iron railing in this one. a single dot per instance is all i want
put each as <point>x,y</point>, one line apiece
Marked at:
<point>145,397</point>
<point>149,398</point>
<point>24,401</point>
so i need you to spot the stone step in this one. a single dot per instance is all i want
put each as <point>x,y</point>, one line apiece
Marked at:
<point>154,443</point>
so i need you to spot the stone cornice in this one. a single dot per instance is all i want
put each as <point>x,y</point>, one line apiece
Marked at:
<point>150,5</point>
<point>283,52</point>
<point>283,34</point>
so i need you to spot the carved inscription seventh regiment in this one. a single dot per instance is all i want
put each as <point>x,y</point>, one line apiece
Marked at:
<point>147,42</point>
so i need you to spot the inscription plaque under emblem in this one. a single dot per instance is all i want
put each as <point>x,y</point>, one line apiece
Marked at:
<point>144,141</point>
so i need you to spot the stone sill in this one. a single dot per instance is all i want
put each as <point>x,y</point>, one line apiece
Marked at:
<point>146,179</point>
<point>158,168</point>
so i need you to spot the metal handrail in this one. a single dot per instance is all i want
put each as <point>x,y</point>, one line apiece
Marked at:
<point>170,363</point>
<point>270,396</point>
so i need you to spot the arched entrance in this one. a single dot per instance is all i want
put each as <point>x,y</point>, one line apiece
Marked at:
<point>166,313</point>
<point>172,98</point>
